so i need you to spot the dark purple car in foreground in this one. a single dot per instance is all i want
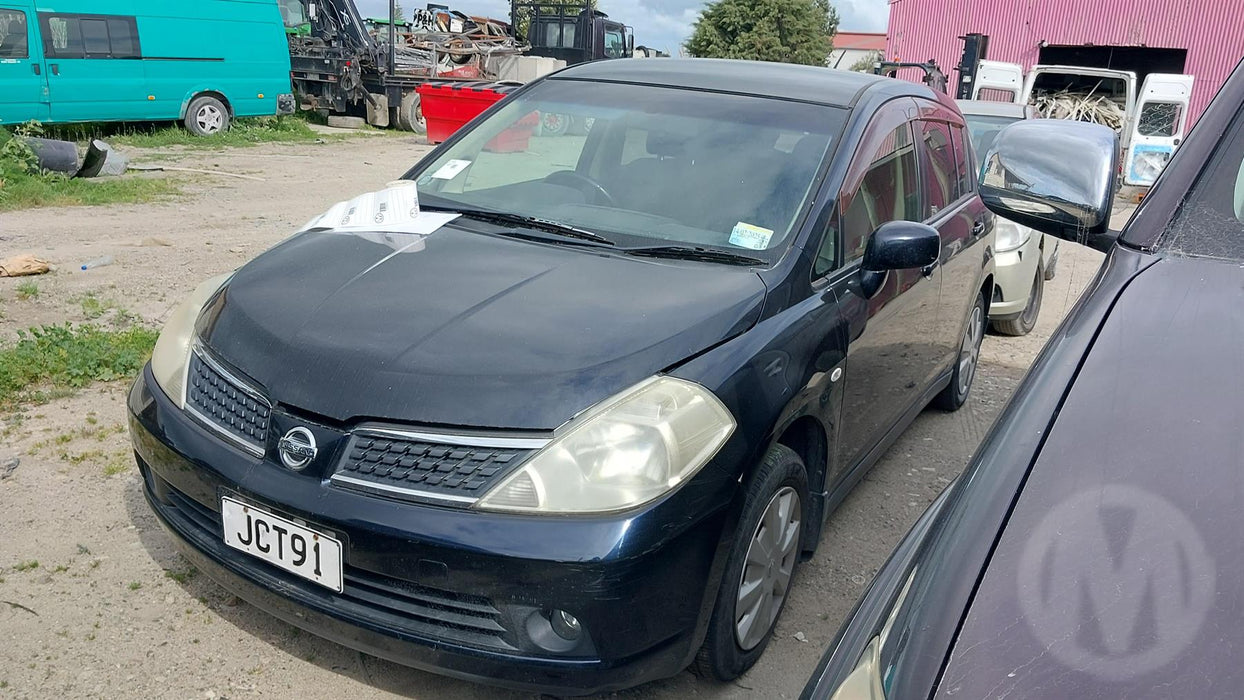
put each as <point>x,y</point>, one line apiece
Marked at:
<point>1095,546</point>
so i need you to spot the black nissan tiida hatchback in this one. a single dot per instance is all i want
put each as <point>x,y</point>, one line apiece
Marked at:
<point>573,423</point>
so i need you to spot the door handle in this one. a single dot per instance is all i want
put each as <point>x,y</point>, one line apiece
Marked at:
<point>55,68</point>
<point>978,229</point>
<point>37,69</point>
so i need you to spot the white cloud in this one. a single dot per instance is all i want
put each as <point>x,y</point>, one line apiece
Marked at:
<point>660,24</point>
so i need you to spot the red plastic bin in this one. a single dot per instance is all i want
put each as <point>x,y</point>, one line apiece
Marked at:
<point>450,106</point>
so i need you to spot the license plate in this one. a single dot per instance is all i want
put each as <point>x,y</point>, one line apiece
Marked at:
<point>293,547</point>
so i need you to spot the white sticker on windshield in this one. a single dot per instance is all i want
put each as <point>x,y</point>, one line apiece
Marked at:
<point>749,236</point>
<point>451,169</point>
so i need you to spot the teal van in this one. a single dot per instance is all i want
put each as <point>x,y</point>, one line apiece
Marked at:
<point>202,62</point>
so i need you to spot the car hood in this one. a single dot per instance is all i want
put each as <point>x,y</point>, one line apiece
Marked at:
<point>1118,574</point>
<point>460,328</point>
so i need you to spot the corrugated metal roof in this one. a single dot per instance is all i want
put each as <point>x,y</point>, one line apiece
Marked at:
<point>1212,31</point>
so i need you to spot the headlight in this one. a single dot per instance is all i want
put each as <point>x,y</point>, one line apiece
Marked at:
<point>1010,235</point>
<point>622,453</point>
<point>171,355</point>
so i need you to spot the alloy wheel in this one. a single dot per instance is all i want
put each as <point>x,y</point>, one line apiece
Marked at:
<point>209,119</point>
<point>969,354</point>
<point>771,558</point>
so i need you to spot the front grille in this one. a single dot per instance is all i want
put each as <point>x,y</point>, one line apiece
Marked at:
<point>417,468</point>
<point>226,404</point>
<point>400,605</point>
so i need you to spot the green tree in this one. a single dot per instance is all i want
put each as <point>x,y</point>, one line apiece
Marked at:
<point>866,62</point>
<point>399,15</point>
<point>787,31</point>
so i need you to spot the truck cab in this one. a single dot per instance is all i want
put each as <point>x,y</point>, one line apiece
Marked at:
<point>572,33</point>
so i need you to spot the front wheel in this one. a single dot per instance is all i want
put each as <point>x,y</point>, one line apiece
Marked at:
<point>760,569</point>
<point>956,393</point>
<point>206,116</point>
<point>1027,319</point>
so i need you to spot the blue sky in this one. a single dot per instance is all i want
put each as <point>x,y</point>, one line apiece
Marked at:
<point>661,24</point>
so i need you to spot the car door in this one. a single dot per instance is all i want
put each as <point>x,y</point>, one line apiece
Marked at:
<point>888,353</point>
<point>1159,126</point>
<point>997,81</point>
<point>23,81</point>
<point>94,67</point>
<point>960,219</point>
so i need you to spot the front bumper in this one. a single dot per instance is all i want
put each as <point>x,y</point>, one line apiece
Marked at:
<point>1014,273</point>
<point>453,591</point>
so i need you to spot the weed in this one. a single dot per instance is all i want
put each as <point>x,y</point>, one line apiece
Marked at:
<point>80,457</point>
<point>27,290</point>
<point>59,568</point>
<point>27,565</point>
<point>135,585</point>
<point>181,576</point>
<point>63,438</point>
<point>63,633</point>
<point>117,465</point>
<point>67,357</point>
<point>83,550</point>
<point>91,419</point>
<point>95,563</point>
<point>243,132</point>
<point>90,636</point>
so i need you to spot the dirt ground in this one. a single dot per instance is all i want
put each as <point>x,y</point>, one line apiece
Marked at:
<point>111,610</point>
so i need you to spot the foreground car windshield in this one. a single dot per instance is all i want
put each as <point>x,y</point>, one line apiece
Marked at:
<point>642,165</point>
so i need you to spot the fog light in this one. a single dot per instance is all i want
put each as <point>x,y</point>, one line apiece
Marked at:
<point>565,625</point>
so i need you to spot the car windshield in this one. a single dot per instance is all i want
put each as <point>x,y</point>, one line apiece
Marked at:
<point>1210,221</point>
<point>641,165</point>
<point>984,129</point>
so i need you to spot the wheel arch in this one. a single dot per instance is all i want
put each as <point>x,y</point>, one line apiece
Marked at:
<point>205,92</point>
<point>808,438</point>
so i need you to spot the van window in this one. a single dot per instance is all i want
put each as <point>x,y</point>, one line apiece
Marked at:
<point>1159,119</point>
<point>89,36</point>
<point>13,33</point>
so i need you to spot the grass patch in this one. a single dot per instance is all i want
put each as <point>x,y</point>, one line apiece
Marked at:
<point>27,290</point>
<point>27,565</point>
<point>135,585</point>
<point>243,132</point>
<point>52,360</point>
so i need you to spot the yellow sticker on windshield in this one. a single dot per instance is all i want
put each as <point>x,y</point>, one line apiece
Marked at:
<point>749,236</point>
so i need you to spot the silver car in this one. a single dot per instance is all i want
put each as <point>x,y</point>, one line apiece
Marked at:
<point>1026,258</point>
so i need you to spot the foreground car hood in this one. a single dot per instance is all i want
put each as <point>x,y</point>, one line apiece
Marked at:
<point>465,329</point>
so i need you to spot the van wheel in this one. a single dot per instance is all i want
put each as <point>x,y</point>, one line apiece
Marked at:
<point>410,114</point>
<point>760,569</point>
<point>206,116</point>
<point>956,393</point>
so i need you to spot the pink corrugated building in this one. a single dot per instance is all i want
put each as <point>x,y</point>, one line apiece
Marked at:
<point>1204,38</point>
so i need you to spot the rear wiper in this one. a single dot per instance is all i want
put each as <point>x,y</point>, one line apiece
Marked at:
<point>531,222</point>
<point>694,253</point>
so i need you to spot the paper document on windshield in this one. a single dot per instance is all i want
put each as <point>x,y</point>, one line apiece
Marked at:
<point>751,237</point>
<point>394,209</point>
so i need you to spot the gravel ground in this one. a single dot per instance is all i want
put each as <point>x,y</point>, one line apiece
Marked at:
<point>112,610</point>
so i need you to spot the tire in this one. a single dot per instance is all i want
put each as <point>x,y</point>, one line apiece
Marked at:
<point>1027,319</point>
<point>410,114</point>
<point>554,124</point>
<point>779,486</point>
<point>206,115</point>
<point>956,393</point>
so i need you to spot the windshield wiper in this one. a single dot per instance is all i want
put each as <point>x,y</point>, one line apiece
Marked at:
<point>694,253</point>
<point>531,222</point>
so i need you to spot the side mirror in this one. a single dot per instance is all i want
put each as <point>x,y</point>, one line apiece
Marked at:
<point>897,245</point>
<point>1055,176</point>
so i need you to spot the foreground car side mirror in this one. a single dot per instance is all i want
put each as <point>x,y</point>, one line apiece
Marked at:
<point>1055,176</point>
<point>897,245</point>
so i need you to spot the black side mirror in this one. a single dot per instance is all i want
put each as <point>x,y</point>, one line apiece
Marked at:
<point>897,245</point>
<point>1055,176</point>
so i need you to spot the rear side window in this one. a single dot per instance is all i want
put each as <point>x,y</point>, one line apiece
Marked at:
<point>888,192</point>
<point>13,33</point>
<point>965,178</point>
<point>941,178</point>
<point>1159,119</point>
<point>89,36</point>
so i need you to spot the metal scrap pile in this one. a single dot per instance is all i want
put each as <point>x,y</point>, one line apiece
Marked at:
<point>449,43</point>
<point>1081,106</point>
